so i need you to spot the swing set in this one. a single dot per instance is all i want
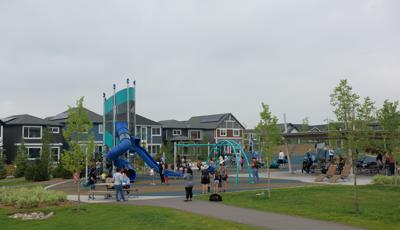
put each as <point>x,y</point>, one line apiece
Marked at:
<point>222,148</point>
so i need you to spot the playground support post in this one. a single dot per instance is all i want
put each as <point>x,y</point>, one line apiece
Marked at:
<point>286,144</point>
<point>134,109</point>
<point>127,103</point>
<point>114,114</point>
<point>127,110</point>
<point>104,131</point>
<point>289,157</point>
<point>174,156</point>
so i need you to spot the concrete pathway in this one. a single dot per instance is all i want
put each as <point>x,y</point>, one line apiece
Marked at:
<point>309,178</point>
<point>100,198</point>
<point>261,219</point>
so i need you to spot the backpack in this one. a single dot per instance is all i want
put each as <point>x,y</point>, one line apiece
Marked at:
<point>215,197</point>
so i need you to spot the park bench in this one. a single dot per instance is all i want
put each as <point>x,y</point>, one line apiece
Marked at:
<point>107,193</point>
<point>344,175</point>
<point>331,172</point>
<point>131,192</point>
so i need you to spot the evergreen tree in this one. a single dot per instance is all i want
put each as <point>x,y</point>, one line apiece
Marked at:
<point>3,172</point>
<point>21,160</point>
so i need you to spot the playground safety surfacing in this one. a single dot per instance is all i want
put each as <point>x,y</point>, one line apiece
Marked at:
<point>151,187</point>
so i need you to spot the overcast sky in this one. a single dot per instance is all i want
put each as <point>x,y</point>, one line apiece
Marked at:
<point>198,57</point>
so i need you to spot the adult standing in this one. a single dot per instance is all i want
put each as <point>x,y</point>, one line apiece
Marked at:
<point>391,162</point>
<point>205,179</point>
<point>117,178</point>
<point>254,169</point>
<point>162,171</point>
<point>281,157</point>
<point>326,153</point>
<point>188,178</point>
<point>331,154</point>
<point>92,182</point>
<point>217,181</point>
<point>224,175</point>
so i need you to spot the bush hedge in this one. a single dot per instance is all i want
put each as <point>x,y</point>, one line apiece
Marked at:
<point>378,179</point>
<point>30,197</point>
<point>61,172</point>
<point>37,171</point>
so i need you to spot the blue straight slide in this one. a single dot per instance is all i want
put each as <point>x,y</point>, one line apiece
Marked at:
<point>127,143</point>
<point>150,161</point>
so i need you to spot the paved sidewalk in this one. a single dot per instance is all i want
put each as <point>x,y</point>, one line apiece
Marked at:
<point>266,220</point>
<point>309,178</point>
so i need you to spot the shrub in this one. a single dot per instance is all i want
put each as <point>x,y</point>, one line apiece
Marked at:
<point>3,172</point>
<point>37,171</point>
<point>378,179</point>
<point>10,170</point>
<point>30,197</point>
<point>61,172</point>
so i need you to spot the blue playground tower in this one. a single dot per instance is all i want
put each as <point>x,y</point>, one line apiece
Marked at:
<point>119,122</point>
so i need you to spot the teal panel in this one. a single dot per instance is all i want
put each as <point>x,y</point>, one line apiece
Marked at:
<point>108,105</point>
<point>122,97</point>
<point>109,139</point>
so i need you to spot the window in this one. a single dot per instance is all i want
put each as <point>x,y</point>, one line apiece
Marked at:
<point>222,132</point>
<point>33,152</point>
<point>55,154</point>
<point>54,130</point>
<point>143,133</point>
<point>236,132</point>
<point>138,131</point>
<point>154,149</point>
<point>101,131</point>
<point>156,131</point>
<point>195,134</point>
<point>32,132</point>
<point>176,132</point>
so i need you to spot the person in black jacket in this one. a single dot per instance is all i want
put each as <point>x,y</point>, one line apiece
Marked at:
<point>92,182</point>
<point>162,172</point>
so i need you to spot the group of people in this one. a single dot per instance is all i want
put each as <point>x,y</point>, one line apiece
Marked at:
<point>386,161</point>
<point>120,181</point>
<point>214,177</point>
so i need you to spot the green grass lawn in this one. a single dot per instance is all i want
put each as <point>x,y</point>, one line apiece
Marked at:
<point>15,182</point>
<point>380,205</point>
<point>113,216</point>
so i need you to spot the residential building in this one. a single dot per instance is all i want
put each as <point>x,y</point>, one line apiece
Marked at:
<point>96,131</point>
<point>150,133</point>
<point>208,128</point>
<point>1,137</point>
<point>28,129</point>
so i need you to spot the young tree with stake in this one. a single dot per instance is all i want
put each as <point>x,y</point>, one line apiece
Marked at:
<point>269,137</point>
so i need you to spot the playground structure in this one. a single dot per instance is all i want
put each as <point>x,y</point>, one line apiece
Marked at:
<point>119,122</point>
<point>222,148</point>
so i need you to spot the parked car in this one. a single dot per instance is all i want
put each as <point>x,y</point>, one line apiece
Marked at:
<point>367,164</point>
<point>274,164</point>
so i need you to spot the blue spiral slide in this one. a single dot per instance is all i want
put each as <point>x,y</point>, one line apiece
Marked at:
<point>128,143</point>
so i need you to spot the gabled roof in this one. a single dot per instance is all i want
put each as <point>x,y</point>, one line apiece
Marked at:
<point>26,119</point>
<point>173,124</point>
<point>140,120</point>
<point>62,117</point>
<point>207,121</point>
<point>199,122</point>
<point>290,127</point>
